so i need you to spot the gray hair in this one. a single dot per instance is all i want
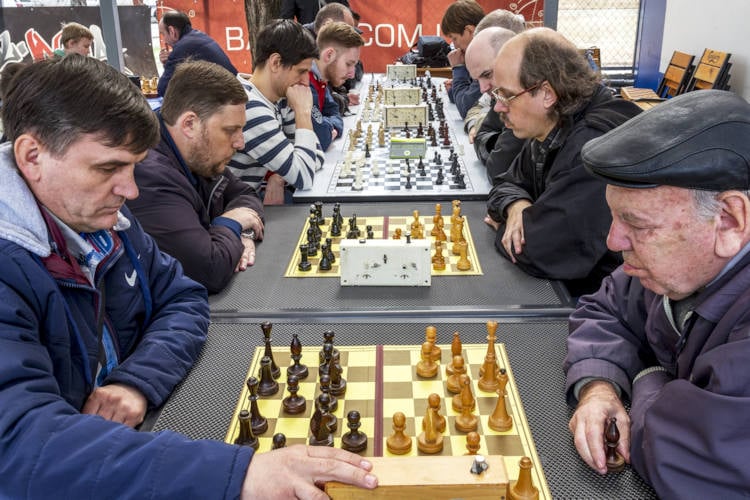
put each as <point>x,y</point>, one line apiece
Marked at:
<point>707,204</point>
<point>501,18</point>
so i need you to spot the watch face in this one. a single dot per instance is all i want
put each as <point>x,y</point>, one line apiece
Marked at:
<point>402,95</point>
<point>399,116</point>
<point>401,71</point>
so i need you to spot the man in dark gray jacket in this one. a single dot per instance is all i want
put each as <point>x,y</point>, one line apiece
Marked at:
<point>670,329</point>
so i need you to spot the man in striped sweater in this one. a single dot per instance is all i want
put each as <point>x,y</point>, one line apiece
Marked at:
<point>281,151</point>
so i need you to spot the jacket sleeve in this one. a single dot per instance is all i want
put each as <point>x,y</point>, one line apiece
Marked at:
<point>690,438</point>
<point>49,449</point>
<point>327,120</point>
<point>566,226</point>
<point>169,67</point>
<point>296,160</point>
<point>464,90</point>
<point>168,207</point>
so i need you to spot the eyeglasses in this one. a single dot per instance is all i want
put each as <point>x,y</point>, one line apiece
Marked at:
<point>506,100</point>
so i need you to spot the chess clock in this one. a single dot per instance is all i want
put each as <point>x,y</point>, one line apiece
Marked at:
<point>398,116</point>
<point>408,148</point>
<point>402,95</point>
<point>401,71</point>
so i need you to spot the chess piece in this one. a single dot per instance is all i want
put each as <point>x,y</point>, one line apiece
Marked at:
<point>426,367</point>
<point>488,381</point>
<point>472,443</point>
<point>430,335</point>
<point>479,465</point>
<point>453,383</point>
<point>438,229</point>
<point>457,235</point>
<point>312,246</point>
<point>397,233</point>
<point>246,436</point>
<point>323,354</point>
<point>430,440</point>
<point>304,263</point>
<point>325,357</point>
<point>335,228</point>
<point>491,329</point>
<point>466,421</point>
<point>322,433</point>
<point>500,420</point>
<point>297,369</point>
<point>381,137</point>
<point>438,260</point>
<point>399,443</point>
<point>278,441</point>
<point>463,264</point>
<point>370,232</point>
<point>338,383</point>
<point>325,262</point>
<point>408,182</point>
<point>456,349</point>
<point>258,422</point>
<point>459,399</point>
<point>615,461</point>
<point>523,488</point>
<point>354,440</point>
<point>417,227</point>
<point>268,352</point>
<point>325,388</point>
<point>331,256</point>
<point>294,403</point>
<point>267,386</point>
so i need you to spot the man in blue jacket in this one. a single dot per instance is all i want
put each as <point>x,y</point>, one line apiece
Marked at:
<point>187,43</point>
<point>670,329</point>
<point>96,324</point>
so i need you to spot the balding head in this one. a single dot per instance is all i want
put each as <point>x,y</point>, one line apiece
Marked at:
<point>481,52</point>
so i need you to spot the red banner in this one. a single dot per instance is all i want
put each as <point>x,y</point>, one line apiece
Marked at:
<point>389,27</point>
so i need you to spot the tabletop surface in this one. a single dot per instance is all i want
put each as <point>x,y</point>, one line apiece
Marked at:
<point>263,291</point>
<point>201,407</point>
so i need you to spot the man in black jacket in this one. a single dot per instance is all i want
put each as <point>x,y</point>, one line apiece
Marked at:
<point>189,202</point>
<point>551,217</point>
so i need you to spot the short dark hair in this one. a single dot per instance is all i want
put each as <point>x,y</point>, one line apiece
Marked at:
<point>459,15</point>
<point>330,12</point>
<point>60,99</point>
<point>202,87</point>
<point>178,20</point>
<point>287,38</point>
<point>550,56</point>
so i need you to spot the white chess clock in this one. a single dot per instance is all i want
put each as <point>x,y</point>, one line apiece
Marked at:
<point>401,71</point>
<point>402,95</point>
<point>400,115</point>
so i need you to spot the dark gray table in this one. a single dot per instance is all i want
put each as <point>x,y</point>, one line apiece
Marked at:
<point>201,407</point>
<point>263,291</point>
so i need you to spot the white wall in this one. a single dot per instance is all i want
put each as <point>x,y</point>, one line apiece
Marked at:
<point>693,25</point>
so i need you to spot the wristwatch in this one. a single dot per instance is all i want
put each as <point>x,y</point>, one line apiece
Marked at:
<point>250,234</point>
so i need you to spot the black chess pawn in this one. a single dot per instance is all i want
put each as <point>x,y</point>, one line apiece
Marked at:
<point>370,233</point>
<point>433,141</point>
<point>258,422</point>
<point>337,212</point>
<point>335,228</point>
<point>325,263</point>
<point>319,212</point>
<point>246,436</point>
<point>460,182</point>
<point>325,388</point>
<point>440,177</point>
<point>304,263</point>
<point>420,130</point>
<point>455,167</point>
<point>408,182</point>
<point>297,369</point>
<point>267,386</point>
<point>354,440</point>
<point>293,403</point>
<point>406,126</point>
<point>367,150</point>
<point>437,159</point>
<point>279,441</point>
<point>408,134</point>
<point>266,328</point>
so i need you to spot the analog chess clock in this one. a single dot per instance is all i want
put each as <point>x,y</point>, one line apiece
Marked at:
<point>402,95</point>
<point>399,116</point>
<point>401,71</point>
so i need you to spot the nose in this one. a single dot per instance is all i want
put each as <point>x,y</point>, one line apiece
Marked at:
<point>617,240</point>
<point>125,185</point>
<point>484,85</point>
<point>238,141</point>
<point>304,79</point>
<point>500,107</point>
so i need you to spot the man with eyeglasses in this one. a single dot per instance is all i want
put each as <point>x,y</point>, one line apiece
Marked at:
<point>551,217</point>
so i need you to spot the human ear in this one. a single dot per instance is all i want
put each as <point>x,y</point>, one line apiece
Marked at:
<point>188,124</point>
<point>733,228</point>
<point>26,149</point>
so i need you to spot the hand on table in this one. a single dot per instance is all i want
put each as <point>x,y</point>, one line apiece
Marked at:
<point>118,403</point>
<point>491,222</point>
<point>353,98</point>
<point>274,190</point>
<point>247,258</point>
<point>248,219</point>
<point>300,471</point>
<point>513,239</point>
<point>597,403</point>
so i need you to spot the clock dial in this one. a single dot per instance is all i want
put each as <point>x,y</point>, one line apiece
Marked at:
<point>401,71</point>
<point>398,116</point>
<point>402,95</point>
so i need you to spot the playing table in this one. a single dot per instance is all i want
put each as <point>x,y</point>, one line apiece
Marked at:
<point>202,406</point>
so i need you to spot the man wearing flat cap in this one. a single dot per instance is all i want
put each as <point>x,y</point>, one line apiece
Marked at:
<point>669,331</point>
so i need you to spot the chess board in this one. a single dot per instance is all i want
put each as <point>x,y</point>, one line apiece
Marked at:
<point>383,228</point>
<point>381,174</point>
<point>382,380</point>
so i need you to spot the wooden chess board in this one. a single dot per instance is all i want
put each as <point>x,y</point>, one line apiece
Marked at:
<point>383,227</point>
<point>382,380</point>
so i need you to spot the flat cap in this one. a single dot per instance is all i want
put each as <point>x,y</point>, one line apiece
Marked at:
<point>697,140</point>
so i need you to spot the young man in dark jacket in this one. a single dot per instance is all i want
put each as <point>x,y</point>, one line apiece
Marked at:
<point>96,324</point>
<point>190,203</point>
<point>550,215</point>
<point>670,329</point>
